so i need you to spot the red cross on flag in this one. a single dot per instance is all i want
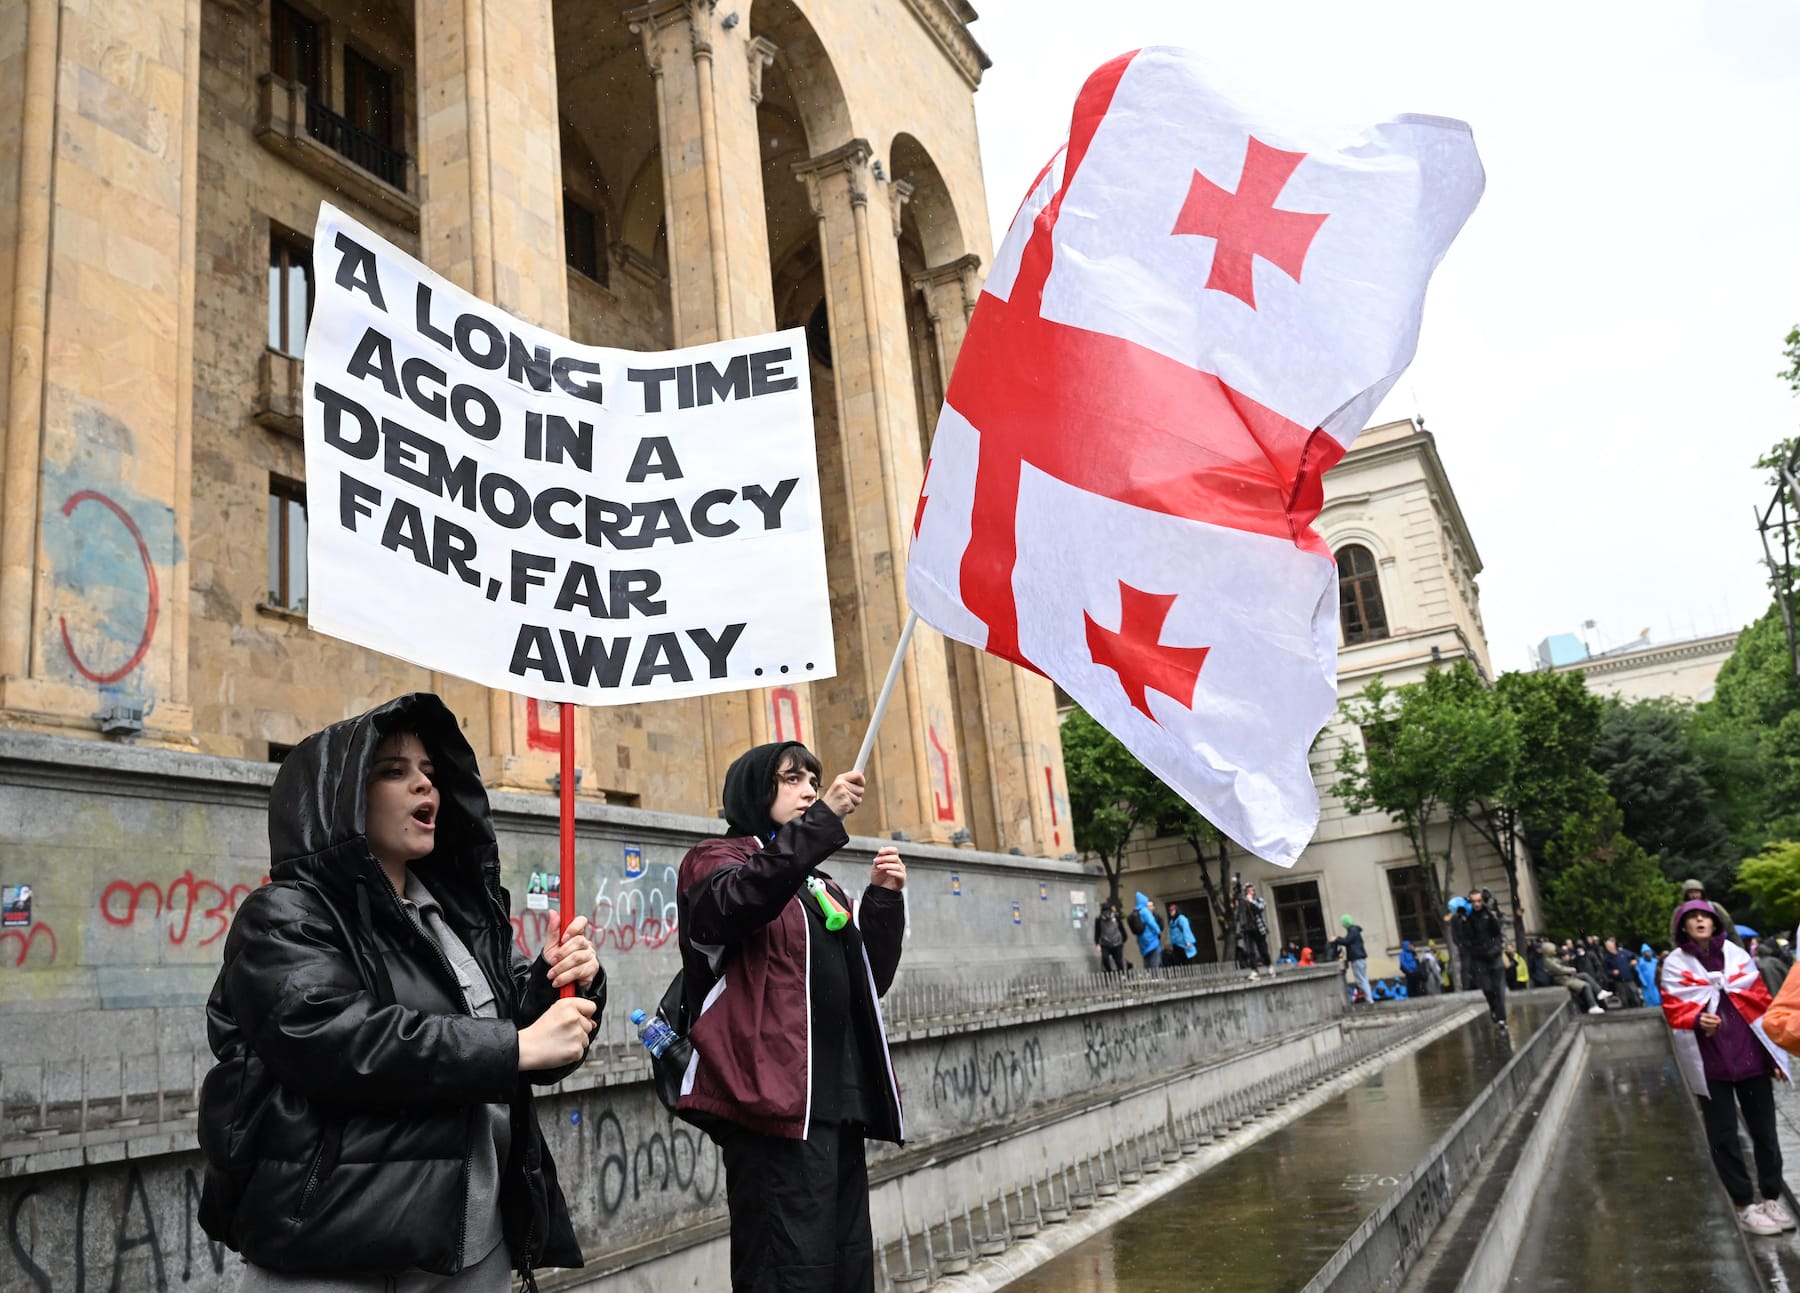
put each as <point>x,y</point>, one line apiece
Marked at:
<point>1190,319</point>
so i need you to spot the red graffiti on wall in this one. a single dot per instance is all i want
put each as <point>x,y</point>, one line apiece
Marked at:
<point>945,804</point>
<point>153,599</point>
<point>123,901</point>
<point>786,698</point>
<point>25,939</point>
<point>537,736</point>
<point>642,916</point>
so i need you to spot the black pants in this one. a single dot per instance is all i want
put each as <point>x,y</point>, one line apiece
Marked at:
<point>1112,960</point>
<point>1487,976</point>
<point>799,1212</point>
<point>1256,949</point>
<point>1756,1097</point>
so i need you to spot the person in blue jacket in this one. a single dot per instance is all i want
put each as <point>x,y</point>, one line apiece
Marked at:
<point>1409,966</point>
<point>1181,937</point>
<point>1646,973</point>
<point>1150,937</point>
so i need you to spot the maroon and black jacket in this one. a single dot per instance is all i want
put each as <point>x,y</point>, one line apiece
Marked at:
<point>747,954</point>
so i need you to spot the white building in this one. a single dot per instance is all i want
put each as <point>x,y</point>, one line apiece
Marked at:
<point>1685,670</point>
<point>1407,566</point>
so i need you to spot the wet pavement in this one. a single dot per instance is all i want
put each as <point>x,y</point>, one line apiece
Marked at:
<point>1630,1199</point>
<point>1779,1258</point>
<point>1268,1218</point>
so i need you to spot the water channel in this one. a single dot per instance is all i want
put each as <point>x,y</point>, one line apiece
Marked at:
<point>1268,1218</point>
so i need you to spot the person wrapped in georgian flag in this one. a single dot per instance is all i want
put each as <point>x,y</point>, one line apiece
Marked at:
<point>1715,1000</point>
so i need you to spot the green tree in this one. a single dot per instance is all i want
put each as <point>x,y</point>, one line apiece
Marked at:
<point>1111,794</point>
<point>1554,721</point>
<point>1658,779</point>
<point>1430,751</point>
<point>1604,883</point>
<point>1790,351</point>
<point>1748,737</point>
<point>1772,880</point>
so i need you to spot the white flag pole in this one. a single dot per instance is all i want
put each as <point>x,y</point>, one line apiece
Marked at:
<point>887,690</point>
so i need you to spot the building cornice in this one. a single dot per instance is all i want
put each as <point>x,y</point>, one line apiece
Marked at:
<point>1422,446</point>
<point>947,23</point>
<point>1720,644</point>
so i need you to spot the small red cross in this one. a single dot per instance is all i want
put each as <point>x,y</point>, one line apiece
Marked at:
<point>1136,655</point>
<point>1247,223</point>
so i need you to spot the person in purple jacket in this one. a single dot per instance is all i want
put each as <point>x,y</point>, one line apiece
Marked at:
<point>791,1072</point>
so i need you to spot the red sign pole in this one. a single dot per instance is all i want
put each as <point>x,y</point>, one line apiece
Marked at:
<point>566,783</point>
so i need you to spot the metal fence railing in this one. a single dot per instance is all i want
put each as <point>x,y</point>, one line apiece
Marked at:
<point>97,1091</point>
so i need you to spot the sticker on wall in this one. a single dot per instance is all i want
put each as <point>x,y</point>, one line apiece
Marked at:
<point>536,897</point>
<point>1018,916</point>
<point>15,906</point>
<point>1043,891</point>
<point>634,862</point>
<point>955,885</point>
<point>574,1117</point>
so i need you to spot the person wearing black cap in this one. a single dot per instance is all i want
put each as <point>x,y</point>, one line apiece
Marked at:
<point>791,1072</point>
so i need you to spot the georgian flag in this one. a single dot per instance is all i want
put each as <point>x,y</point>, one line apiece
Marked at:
<point>1190,319</point>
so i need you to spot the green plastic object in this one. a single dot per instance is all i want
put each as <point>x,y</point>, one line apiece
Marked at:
<point>835,916</point>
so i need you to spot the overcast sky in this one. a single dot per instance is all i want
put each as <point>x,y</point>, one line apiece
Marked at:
<point>1600,345</point>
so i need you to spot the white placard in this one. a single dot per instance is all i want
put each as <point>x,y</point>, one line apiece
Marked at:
<point>569,522</point>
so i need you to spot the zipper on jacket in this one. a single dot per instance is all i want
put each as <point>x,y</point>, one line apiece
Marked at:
<point>312,1178</point>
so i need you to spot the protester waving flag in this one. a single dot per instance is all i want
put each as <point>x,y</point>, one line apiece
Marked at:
<point>1190,319</point>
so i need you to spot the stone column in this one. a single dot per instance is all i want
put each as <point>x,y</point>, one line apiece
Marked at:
<point>490,166</point>
<point>1009,713</point>
<point>708,74</point>
<point>94,504</point>
<point>915,782</point>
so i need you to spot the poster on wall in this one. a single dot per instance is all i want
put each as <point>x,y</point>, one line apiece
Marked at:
<point>15,906</point>
<point>634,862</point>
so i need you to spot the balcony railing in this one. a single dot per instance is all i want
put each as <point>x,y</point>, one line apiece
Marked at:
<point>356,165</point>
<point>385,163</point>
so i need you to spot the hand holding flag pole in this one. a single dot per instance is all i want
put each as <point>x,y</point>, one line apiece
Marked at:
<point>887,691</point>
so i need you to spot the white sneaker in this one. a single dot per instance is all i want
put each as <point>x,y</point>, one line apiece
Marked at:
<point>1757,1222</point>
<point>1777,1212</point>
<point>1595,1010</point>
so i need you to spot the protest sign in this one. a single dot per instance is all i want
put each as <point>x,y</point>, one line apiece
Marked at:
<point>568,522</point>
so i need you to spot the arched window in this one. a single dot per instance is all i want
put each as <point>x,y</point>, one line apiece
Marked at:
<point>1360,611</point>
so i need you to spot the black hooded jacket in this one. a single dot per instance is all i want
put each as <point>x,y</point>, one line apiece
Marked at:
<point>339,1123</point>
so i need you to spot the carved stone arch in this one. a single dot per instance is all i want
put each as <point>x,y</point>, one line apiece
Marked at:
<point>929,216</point>
<point>802,77</point>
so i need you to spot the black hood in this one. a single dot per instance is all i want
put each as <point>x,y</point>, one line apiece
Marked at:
<point>750,788</point>
<point>316,810</point>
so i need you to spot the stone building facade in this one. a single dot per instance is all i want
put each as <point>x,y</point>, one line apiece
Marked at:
<point>1408,600</point>
<point>642,177</point>
<point>1685,670</point>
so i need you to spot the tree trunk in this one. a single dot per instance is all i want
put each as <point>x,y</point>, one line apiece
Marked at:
<point>1510,856</point>
<point>1218,897</point>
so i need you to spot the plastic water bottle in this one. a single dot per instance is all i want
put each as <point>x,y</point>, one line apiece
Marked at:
<point>654,1032</point>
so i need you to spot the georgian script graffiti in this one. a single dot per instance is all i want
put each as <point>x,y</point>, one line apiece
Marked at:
<point>175,905</point>
<point>660,1160</point>
<point>641,915</point>
<point>974,1077</point>
<point>20,945</point>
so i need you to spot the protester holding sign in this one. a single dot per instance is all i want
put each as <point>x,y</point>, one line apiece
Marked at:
<point>370,1117</point>
<point>791,1069</point>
